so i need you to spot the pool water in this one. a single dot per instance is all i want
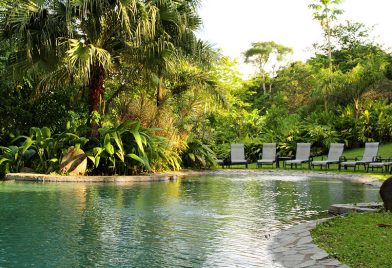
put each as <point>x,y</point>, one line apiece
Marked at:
<point>210,221</point>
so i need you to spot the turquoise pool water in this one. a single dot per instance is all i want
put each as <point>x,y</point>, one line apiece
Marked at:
<point>210,221</point>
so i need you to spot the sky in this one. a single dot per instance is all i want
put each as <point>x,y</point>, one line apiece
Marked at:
<point>232,25</point>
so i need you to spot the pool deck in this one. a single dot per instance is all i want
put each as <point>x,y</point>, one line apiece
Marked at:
<point>294,247</point>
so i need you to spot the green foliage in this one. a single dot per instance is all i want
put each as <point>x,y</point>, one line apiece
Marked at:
<point>129,149</point>
<point>356,240</point>
<point>253,151</point>
<point>125,149</point>
<point>263,53</point>
<point>198,155</point>
<point>146,65</point>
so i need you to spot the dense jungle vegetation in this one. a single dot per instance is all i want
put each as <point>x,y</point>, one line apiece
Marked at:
<point>131,84</point>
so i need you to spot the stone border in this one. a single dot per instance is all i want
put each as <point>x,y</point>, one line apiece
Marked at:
<point>360,178</point>
<point>88,179</point>
<point>294,247</point>
<point>338,209</point>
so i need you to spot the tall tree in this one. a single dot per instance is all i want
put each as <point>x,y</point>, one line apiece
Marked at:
<point>88,39</point>
<point>82,37</point>
<point>325,12</point>
<point>263,53</point>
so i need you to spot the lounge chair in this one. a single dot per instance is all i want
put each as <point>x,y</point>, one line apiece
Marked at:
<point>384,163</point>
<point>369,155</point>
<point>302,155</point>
<point>237,154</point>
<point>269,155</point>
<point>334,156</point>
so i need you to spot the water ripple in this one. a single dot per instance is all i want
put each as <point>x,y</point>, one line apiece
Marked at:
<point>195,222</point>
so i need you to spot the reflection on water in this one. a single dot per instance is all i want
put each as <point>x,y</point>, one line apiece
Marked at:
<point>194,222</point>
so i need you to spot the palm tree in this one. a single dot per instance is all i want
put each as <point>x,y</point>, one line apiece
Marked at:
<point>174,40</point>
<point>82,38</point>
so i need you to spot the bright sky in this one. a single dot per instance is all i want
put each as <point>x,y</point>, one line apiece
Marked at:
<point>232,25</point>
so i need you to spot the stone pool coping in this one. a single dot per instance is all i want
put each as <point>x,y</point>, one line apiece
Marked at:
<point>88,179</point>
<point>294,247</point>
<point>168,176</point>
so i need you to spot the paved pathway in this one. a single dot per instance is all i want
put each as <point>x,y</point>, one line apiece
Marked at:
<point>294,247</point>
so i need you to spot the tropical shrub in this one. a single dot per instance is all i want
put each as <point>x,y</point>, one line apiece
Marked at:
<point>253,151</point>
<point>198,155</point>
<point>124,149</point>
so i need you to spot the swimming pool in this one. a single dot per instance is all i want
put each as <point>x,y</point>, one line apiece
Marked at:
<point>207,221</point>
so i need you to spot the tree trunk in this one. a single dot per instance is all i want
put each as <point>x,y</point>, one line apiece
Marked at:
<point>160,92</point>
<point>325,103</point>
<point>356,107</point>
<point>96,98</point>
<point>264,88</point>
<point>329,47</point>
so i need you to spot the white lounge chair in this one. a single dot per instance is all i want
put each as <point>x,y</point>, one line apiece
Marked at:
<point>384,165</point>
<point>269,155</point>
<point>237,154</point>
<point>302,155</point>
<point>369,155</point>
<point>334,156</point>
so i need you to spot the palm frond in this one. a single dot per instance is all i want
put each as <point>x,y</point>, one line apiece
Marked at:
<point>83,56</point>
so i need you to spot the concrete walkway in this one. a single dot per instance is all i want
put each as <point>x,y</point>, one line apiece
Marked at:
<point>294,247</point>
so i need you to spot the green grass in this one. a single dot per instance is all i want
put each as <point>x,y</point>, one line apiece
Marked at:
<point>356,240</point>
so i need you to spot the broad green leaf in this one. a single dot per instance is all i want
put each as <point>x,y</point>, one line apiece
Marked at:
<point>3,160</point>
<point>26,145</point>
<point>138,138</point>
<point>97,151</point>
<point>97,159</point>
<point>108,145</point>
<point>192,157</point>
<point>109,148</point>
<point>46,132</point>
<point>137,158</point>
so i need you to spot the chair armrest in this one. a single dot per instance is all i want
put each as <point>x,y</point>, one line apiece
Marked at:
<point>378,159</point>
<point>351,158</point>
<point>286,157</point>
<point>383,159</point>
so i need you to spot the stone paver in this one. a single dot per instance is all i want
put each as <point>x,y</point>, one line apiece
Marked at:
<point>294,247</point>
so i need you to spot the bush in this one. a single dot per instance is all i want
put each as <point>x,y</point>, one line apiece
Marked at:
<point>198,155</point>
<point>125,149</point>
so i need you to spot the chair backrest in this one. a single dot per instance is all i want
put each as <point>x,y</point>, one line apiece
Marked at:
<point>303,151</point>
<point>237,152</point>
<point>335,151</point>
<point>371,150</point>
<point>269,151</point>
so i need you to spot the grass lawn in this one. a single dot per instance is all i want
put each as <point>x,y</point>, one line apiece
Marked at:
<point>356,240</point>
